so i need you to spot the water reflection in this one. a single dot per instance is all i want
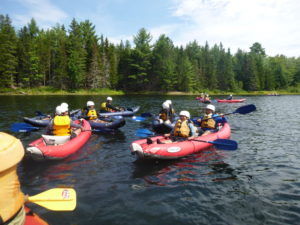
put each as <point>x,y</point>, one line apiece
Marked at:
<point>190,169</point>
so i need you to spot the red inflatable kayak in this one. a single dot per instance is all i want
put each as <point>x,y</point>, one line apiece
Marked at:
<point>176,149</point>
<point>33,219</point>
<point>231,101</point>
<point>39,150</point>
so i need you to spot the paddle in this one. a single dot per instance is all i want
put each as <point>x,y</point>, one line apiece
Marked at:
<point>146,114</point>
<point>143,133</point>
<point>138,118</point>
<point>223,144</point>
<point>241,110</point>
<point>244,109</point>
<point>56,199</point>
<point>22,127</point>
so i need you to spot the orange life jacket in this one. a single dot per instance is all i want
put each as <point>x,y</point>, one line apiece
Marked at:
<point>208,122</point>
<point>182,129</point>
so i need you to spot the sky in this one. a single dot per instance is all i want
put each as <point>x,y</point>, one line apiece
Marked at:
<point>237,24</point>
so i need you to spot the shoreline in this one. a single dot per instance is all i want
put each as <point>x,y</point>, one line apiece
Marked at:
<point>49,91</point>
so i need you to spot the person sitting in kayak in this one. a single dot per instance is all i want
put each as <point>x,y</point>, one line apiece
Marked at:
<point>90,113</point>
<point>183,129</point>
<point>166,114</point>
<point>107,106</point>
<point>208,123</point>
<point>12,198</point>
<point>206,99</point>
<point>61,124</point>
<point>66,106</point>
<point>229,97</point>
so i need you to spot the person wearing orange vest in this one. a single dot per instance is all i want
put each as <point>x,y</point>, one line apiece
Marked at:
<point>11,197</point>
<point>61,124</point>
<point>183,129</point>
<point>208,122</point>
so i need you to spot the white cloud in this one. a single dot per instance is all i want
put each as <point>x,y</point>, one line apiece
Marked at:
<point>240,23</point>
<point>164,29</point>
<point>43,11</point>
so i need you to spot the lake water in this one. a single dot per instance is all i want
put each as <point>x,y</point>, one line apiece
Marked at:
<point>259,183</point>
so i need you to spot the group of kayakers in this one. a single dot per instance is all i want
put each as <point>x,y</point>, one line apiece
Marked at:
<point>62,125</point>
<point>184,127</point>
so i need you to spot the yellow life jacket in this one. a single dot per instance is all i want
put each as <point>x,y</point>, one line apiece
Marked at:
<point>11,196</point>
<point>104,108</point>
<point>182,129</point>
<point>208,122</point>
<point>92,114</point>
<point>61,126</point>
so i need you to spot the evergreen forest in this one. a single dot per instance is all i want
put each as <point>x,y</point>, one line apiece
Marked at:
<point>75,57</point>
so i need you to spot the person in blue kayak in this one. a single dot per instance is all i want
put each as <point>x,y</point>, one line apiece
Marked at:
<point>229,97</point>
<point>89,112</point>
<point>108,107</point>
<point>209,121</point>
<point>61,124</point>
<point>183,129</point>
<point>166,114</point>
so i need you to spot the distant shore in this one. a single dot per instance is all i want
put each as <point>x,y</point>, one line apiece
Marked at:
<point>51,91</point>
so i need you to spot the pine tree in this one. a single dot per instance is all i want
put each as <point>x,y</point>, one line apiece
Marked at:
<point>163,64</point>
<point>8,59</point>
<point>76,56</point>
<point>140,63</point>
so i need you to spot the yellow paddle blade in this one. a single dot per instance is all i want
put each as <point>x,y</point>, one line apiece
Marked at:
<point>56,199</point>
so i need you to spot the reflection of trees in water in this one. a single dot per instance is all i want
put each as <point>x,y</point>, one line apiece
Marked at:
<point>190,169</point>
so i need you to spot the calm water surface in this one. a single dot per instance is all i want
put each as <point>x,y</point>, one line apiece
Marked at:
<point>257,184</point>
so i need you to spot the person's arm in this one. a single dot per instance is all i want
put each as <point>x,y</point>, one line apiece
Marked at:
<point>111,107</point>
<point>49,128</point>
<point>75,125</point>
<point>192,129</point>
<point>84,114</point>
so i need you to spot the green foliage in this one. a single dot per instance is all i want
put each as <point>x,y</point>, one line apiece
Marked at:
<point>8,59</point>
<point>79,59</point>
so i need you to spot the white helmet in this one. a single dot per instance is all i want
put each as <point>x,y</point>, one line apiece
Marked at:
<point>165,105</point>
<point>184,113</point>
<point>58,110</point>
<point>65,105</point>
<point>211,107</point>
<point>64,109</point>
<point>109,98</point>
<point>169,102</point>
<point>90,103</point>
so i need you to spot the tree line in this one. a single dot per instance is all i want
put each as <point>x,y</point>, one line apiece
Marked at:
<point>74,58</point>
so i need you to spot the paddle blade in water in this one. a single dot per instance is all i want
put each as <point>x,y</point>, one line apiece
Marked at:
<point>225,144</point>
<point>245,109</point>
<point>22,127</point>
<point>56,199</point>
<point>143,133</point>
